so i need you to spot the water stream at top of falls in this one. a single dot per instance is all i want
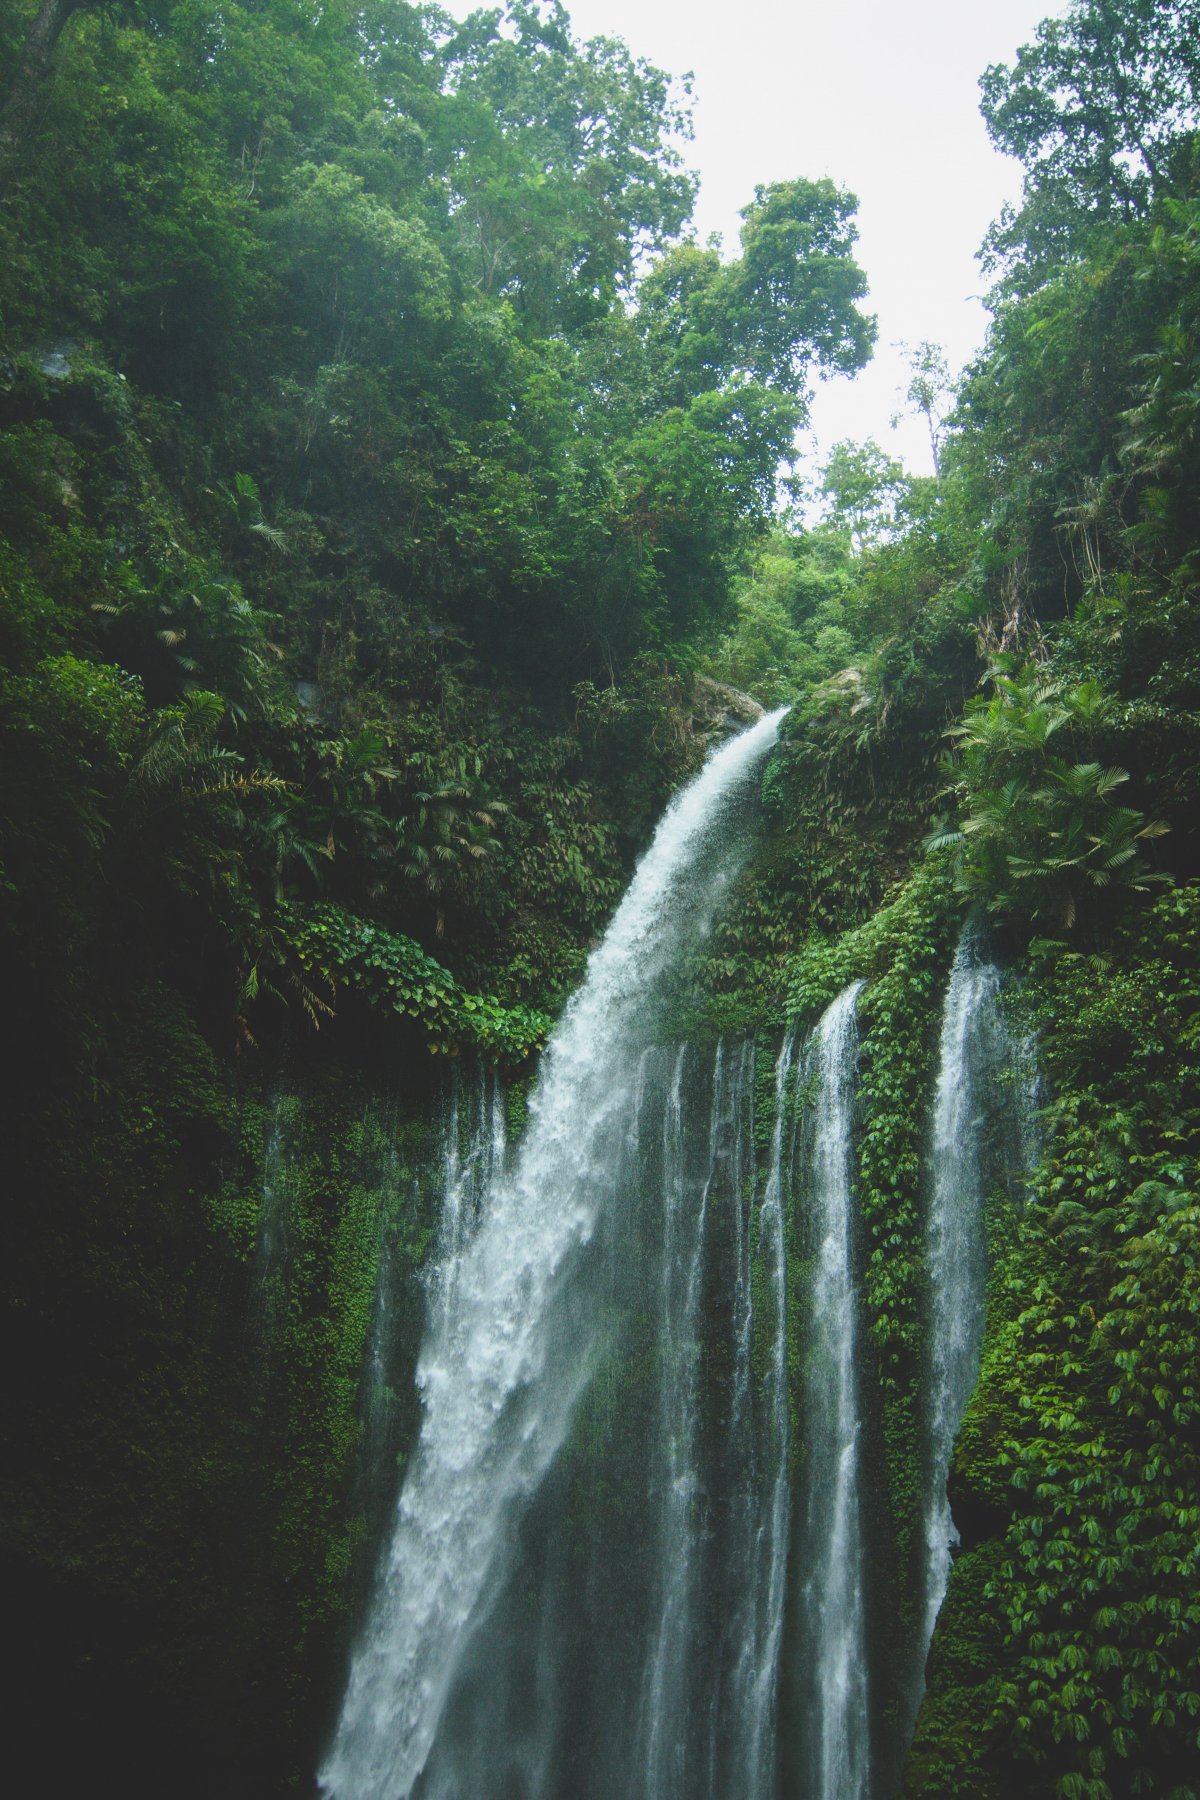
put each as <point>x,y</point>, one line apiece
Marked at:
<point>525,1314</point>
<point>833,1611</point>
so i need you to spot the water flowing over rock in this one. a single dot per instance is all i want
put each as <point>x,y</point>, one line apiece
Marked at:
<point>272,1248</point>
<point>833,1616</point>
<point>472,1143</point>
<point>767,1514</point>
<point>982,1132</point>
<point>544,1307</point>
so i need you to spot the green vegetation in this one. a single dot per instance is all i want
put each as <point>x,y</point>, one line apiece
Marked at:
<point>1038,832</point>
<point>1075,1479</point>
<point>389,484</point>
<point>393,971</point>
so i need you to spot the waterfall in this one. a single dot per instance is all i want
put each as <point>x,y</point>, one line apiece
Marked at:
<point>985,1089</point>
<point>768,1513</point>
<point>660,1752</point>
<point>473,1149</point>
<point>471,1154</point>
<point>833,1627</point>
<point>528,1311</point>
<point>606,1664</point>
<point>955,1248</point>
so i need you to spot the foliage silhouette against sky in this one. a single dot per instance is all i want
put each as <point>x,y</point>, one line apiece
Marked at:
<point>883,100</point>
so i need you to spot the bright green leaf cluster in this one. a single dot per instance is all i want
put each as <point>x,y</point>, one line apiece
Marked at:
<point>392,971</point>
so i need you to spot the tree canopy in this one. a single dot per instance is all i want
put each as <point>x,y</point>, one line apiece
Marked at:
<point>1097,108</point>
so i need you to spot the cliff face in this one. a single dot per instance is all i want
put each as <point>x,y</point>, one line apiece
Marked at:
<point>192,1484</point>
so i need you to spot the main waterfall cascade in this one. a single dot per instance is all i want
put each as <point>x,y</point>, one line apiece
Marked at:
<point>543,1299</point>
<point>611,1541</point>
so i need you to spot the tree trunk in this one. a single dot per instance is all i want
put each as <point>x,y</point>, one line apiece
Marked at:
<point>33,66</point>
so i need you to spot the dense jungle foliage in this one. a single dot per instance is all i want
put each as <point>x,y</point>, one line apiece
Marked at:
<point>395,500</point>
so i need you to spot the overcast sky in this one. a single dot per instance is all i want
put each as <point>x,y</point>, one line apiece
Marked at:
<point>883,98</point>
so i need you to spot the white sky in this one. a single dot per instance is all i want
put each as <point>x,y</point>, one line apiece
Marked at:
<point>880,95</point>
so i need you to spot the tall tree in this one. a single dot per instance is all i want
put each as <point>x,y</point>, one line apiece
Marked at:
<point>930,392</point>
<point>861,484</point>
<point>1093,108</point>
<point>564,168</point>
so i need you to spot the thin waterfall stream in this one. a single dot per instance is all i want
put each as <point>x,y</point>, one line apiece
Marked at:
<point>956,1250</point>
<point>660,1751</point>
<point>769,1510</point>
<point>982,1094</point>
<point>833,1611</point>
